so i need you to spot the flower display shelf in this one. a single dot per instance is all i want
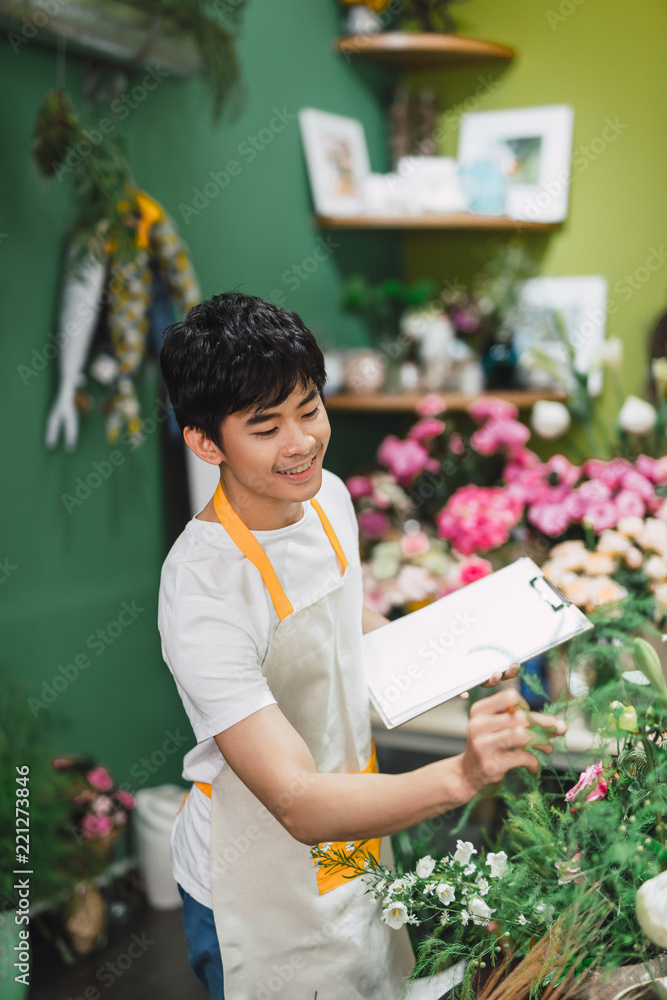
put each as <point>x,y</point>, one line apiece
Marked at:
<point>388,402</point>
<point>434,220</point>
<point>405,50</point>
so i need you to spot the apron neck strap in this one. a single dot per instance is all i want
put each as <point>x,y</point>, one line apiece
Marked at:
<point>243,537</point>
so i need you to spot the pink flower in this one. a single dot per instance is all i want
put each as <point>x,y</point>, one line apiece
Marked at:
<point>415,545</point>
<point>474,569</point>
<point>100,779</point>
<point>488,408</point>
<point>416,583</point>
<point>602,515</point>
<point>404,459</point>
<point>595,491</point>
<point>497,433</point>
<point>373,523</point>
<point>126,799</point>
<point>479,518</point>
<point>466,318</point>
<point>609,473</point>
<point>359,486</point>
<point>120,817</point>
<point>456,445</point>
<point>96,826</point>
<point>576,505</point>
<point>102,805</point>
<point>566,472</point>
<point>426,428</point>
<point>629,504</point>
<point>634,481</point>
<point>431,405</point>
<point>591,776</point>
<point>552,519</point>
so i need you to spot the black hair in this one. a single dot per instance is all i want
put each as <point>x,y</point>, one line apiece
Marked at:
<point>233,352</point>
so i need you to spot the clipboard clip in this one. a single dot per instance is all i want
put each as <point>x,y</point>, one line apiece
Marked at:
<point>549,593</point>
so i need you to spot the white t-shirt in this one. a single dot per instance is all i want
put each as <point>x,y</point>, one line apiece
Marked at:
<point>216,621</point>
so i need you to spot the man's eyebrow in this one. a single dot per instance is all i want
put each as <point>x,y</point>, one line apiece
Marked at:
<point>261,416</point>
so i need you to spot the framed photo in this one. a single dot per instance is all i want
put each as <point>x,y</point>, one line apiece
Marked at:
<point>532,147</point>
<point>582,304</point>
<point>337,161</point>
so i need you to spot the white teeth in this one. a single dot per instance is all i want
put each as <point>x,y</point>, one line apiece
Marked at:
<point>293,472</point>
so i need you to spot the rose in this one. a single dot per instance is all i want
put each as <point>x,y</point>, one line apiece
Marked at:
<point>395,915</point>
<point>100,779</point>
<point>637,416</point>
<point>651,906</point>
<point>474,569</point>
<point>464,851</point>
<point>425,866</point>
<point>550,419</point>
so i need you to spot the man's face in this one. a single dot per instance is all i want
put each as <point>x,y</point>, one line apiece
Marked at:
<point>262,449</point>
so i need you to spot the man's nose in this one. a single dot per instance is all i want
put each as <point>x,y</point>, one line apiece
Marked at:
<point>298,440</point>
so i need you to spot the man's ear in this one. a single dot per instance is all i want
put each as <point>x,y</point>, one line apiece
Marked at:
<point>202,446</point>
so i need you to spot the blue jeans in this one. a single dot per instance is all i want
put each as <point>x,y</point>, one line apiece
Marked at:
<point>203,948</point>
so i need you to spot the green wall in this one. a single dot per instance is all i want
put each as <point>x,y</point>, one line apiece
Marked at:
<point>73,571</point>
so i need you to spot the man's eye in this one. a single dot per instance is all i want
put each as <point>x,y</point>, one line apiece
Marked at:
<point>262,434</point>
<point>312,412</point>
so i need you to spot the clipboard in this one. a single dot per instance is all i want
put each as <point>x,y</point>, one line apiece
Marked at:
<point>424,659</point>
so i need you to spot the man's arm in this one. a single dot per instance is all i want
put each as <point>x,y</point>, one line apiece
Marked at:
<point>273,761</point>
<point>371,620</point>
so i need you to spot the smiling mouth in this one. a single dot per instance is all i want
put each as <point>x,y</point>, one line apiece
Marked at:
<point>299,468</point>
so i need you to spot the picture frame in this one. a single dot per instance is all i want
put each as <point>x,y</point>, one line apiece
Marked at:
<point>337,161</point>
<point>532,147</point>
<point>581,301</point>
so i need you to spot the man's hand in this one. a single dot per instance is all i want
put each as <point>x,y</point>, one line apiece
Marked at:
<point>499,732</point>
<point>496,679</point>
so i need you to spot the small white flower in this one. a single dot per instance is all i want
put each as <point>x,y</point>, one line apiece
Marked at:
<point>483,886</point>
<point>445,893</point>
<point>521,919</point>
<point>444,918</point>
<point>350,847</point>
<point>395,915</point>
<point>637,416</point>
<point>464,851</point>
<point>409,880</point>
<point>396,886</point>
<point>425,866</point>
<point>429,889</point>
<point>326,847</point>
<point>497,863</point>
<point>465,917</point>
<point>470,869</point>
<point>479,910</point>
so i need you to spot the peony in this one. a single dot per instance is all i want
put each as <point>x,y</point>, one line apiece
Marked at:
<point>445,893</point>
<point>497,863</point>
<point>428,427</point>
<point>100,779</point>
<point>651,906</point>
<point>488,408</point>
<point>405,459</point>
<point>473,569</point>
<point>395,915</point>
<point>550,419</point>
<point>464,851</point>
<point>425,866</point>
<point>637,416</point>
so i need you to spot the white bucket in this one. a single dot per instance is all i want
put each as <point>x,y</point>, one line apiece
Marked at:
<point>153,819</point>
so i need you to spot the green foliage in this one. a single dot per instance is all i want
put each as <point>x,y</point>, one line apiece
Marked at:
<point>381,306</point>
<point>24,740</point>
<point>426,15</point>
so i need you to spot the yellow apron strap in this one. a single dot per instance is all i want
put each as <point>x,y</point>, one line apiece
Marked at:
<point>243,537</point>
<point>331,877</point>
<point>331,535</point>
<point>203,787</point>
<point>252,550</point>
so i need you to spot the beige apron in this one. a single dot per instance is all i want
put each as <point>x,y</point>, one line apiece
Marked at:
<point>281,936</point>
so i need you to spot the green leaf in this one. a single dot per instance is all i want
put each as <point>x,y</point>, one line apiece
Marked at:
<point>647,660</point>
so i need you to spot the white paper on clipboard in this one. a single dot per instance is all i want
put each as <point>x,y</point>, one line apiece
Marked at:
<point>432,655</point>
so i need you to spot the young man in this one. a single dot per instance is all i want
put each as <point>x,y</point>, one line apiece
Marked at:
<point>261,616</point>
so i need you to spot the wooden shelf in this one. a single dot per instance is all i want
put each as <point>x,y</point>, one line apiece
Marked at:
<point>434,220</point>
<point>387,402</point>
<point>410,50</point>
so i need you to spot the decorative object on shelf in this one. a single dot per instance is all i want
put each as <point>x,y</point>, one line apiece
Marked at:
<point>85,919</point>
<point>581,302</point>
<point>483,187</point>
<point>432,184</point>
<point>337,161</point>
<point>426,15</point>
<point>334,364</point>
<point>365,371</point>
<point>362,18</point>
<point>431,330</point>
<point>532,149</point>
<point>413,118</point>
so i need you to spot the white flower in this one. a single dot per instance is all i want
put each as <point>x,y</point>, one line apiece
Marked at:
<point>483,886</point>
<point>444,918</point>
<point>609,353</point>
<point>105,369</point>
<point>651,904</point>
<point>550,419</point>
<point>409,880</point>
<point>655,568</point>
<point>521,919</point>
<point>637,416</point>
<point>396,886</point>
<point>479,910</point>
<point>326,847</point>
<point>445,893</point>
<point>470,869</point>
<point>464,851</point>
<point>497,863</point>
<point>465,917</point>
<point>395,915</point>
<point>429,889</point>
<point>350,847</point>
<point>425,866</point>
